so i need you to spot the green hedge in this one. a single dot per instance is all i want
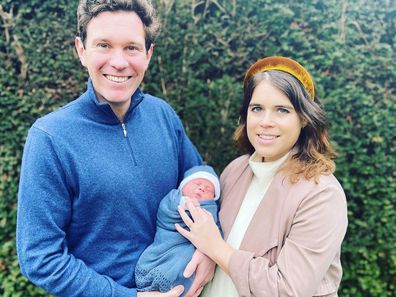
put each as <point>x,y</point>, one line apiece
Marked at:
<point>198,66</point>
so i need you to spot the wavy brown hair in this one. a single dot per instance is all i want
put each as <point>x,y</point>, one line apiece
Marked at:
<point>313,153</point>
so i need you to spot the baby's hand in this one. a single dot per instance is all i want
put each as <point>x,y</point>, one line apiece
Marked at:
<point>195,201</point>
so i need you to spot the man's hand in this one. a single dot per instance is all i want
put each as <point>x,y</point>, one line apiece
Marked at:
<point>175,292</point>
<point>204,268</point>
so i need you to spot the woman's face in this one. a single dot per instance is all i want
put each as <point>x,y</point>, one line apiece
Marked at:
<point>273,125</point>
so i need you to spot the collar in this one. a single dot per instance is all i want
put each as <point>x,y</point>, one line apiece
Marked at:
<point>264,170</point>
<point>102,112</point>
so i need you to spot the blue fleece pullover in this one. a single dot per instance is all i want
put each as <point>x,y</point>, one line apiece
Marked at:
<point>89,191</point>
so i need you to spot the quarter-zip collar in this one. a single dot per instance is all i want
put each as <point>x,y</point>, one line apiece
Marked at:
<point>101,111</point>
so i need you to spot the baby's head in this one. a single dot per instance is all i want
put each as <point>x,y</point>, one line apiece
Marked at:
<point>199,188</point>
<point>201,183</point>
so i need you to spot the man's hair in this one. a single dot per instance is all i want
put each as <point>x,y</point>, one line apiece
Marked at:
<point>313,153</point>
<point>88,9</point>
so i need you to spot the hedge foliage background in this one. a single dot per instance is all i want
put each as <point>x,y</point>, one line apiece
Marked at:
<point>198,66</point>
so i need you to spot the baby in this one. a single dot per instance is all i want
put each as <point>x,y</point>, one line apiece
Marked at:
<point>161,265</point>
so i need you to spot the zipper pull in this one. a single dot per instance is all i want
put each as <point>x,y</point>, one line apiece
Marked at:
<point>124,129</point>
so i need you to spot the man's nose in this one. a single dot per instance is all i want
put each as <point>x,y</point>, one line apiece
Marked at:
<point>118,59</point>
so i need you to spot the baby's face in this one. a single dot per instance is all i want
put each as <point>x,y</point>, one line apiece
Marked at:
<point>199,188</point>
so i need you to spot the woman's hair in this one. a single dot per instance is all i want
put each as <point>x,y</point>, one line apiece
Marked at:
<point>88,9</point>
<point>313,153</point>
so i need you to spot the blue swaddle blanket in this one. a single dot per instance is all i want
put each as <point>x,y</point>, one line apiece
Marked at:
<point>161,265</point>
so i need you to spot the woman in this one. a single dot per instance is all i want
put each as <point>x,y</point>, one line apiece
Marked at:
<point>283,212</point>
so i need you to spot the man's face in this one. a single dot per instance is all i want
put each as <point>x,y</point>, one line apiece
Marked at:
<point>115,56</point>
<point>199,188</point>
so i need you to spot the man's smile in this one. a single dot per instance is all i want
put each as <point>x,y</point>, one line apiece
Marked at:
<point>119,79</point>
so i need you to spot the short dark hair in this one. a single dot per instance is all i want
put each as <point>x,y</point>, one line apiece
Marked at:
<point>88,9</point>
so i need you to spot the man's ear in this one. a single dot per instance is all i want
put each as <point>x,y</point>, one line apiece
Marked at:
<point>150,53</point>
<point>78,43</point>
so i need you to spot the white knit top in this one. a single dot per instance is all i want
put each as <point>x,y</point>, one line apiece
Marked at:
<point>264,172</point>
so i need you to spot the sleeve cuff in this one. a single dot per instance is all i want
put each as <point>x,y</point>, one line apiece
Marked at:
<point>239,271</point>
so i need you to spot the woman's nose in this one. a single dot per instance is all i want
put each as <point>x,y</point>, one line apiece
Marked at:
<point>267,119</point>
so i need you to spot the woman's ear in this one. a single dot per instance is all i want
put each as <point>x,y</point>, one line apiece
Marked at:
<point>303,123</point>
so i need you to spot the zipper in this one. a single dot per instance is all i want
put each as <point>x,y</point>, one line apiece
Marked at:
<point>125,133</point>
<point>124,130</point>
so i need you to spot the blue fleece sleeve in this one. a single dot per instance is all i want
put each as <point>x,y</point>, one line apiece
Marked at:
<point>44,212</point>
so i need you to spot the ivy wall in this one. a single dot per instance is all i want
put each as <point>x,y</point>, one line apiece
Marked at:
<point>198,66</point>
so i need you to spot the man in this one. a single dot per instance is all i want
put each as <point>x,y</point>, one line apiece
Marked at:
<point>94,172</point>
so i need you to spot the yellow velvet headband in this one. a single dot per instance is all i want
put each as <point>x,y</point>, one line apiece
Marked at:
<point>283,64</point>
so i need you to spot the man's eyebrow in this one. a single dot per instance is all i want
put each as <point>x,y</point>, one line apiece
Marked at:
<point>100,39</point>
<point>103,39</point>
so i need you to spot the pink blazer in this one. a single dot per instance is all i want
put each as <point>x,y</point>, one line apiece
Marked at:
<point>292,245</point>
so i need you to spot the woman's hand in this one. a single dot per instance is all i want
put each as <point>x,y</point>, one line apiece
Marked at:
<point>204,234</point>
<point>175,292</point>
